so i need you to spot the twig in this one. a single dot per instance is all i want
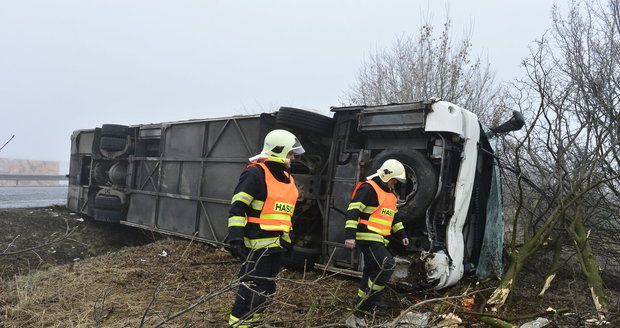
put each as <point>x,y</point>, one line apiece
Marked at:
<point>200,301</point>
<point>212,263</point>
<point>161,283</point>
<point>328,261</point>
<point>203,299</point>
<point>396,320</point>
<point>462,310</point>
<point>10,244</point>
<point>67,234</point>
<point>97,313</point>
<point>7,142</point>
<point>495,322</point>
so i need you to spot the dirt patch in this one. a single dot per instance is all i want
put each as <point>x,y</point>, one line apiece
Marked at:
<point>123,285</point>
<point>32,227</point>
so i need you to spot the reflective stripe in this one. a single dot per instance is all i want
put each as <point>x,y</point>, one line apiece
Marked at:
<point>286,237</point>
<point>398,227</point>
<point>361,293</point>
<point>369,236</point>
<point>374,286</point>
<point>261,242</point>
<point>237,323</point>
<point>361,207</point>
<point>369,209</point>
<point>351,224</point>
<point>257,204</point>
<point>356,206</point>
<point>271,220</point>
<point>384,222</point>
<point>276,159</point>
<point>243,197</point>
<point>276,216</point>
<point>236,221</point>
<point>379,228</point>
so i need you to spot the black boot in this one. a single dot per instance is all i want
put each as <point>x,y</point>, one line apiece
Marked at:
<point>362,306</point>
<point>379,306</point>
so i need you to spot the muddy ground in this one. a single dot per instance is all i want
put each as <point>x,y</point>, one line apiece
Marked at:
<point>59,269</point>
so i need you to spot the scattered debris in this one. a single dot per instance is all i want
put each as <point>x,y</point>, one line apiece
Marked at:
<point>468,303</point>
<point>449,320</point>
<point>415,320</point>
<point>76,259</point>
<point>72,213</point>
<point>538,323</point>
<point>354,321</point>
<point>436,265</point>
<point>163,253</point>
<point>597,322</point>
<point>401,271</point>
<point>79,219</point>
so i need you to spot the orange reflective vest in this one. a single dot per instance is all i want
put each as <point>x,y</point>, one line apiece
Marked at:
<point>380,221</point>
<point>279,205</point>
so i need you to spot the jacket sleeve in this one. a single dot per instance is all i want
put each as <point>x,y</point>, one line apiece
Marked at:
<point>398,229</point>
<point>357,207</point>
<point>240,203</point>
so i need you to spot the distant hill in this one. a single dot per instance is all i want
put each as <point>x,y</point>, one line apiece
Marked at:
<point>27,166</point>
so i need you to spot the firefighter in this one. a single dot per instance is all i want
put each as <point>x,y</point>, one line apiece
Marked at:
<point>369,221</point>
<point>259,223</point>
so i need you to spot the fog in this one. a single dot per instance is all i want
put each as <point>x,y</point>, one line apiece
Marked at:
<point>67,65</point>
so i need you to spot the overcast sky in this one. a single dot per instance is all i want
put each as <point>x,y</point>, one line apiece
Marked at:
<point>67,65</point>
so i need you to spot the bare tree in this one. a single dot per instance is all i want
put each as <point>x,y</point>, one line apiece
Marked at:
<point>566,187</point>
<point>428,65</point>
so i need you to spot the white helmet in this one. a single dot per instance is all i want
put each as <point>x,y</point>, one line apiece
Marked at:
<point>391,168</point>
<point>278,143</point>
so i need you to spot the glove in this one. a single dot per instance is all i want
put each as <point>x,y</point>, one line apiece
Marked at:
<point>234,239</point>
<point>236,248</point>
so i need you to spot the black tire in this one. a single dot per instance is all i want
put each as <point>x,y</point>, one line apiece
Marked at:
<point>112,143</point>
<point>114,130</point>
<point>306,120</point>
<point>421,185</point>
<point>105,202</point>
<point>301,258</point>
<point>108,215</point>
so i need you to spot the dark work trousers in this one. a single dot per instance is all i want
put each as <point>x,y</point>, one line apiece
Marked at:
<point>259,270</point>
<point>378,268</point>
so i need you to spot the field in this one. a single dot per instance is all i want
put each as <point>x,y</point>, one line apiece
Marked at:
<point>58,269</point>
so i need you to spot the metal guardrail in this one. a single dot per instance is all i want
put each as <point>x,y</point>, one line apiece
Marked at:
<point>33,177</point>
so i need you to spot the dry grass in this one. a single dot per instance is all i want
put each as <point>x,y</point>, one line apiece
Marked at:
<point>114,290</point>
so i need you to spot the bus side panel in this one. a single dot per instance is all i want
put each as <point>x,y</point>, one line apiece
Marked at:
<point>187,190</point>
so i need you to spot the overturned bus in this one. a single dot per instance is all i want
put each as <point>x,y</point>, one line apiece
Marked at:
<point>177,178</point>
